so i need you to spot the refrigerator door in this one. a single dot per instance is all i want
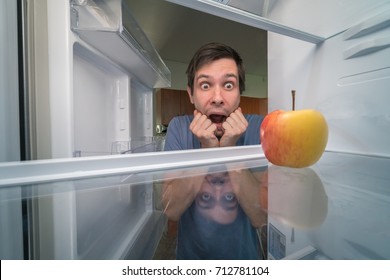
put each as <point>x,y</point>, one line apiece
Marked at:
<point>106,207</point>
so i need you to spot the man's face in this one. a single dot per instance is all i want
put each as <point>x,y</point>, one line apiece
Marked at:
<point>216,91</point>
<point>216,200</point>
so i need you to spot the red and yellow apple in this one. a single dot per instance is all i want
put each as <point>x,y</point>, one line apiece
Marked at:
<point>294,138</point>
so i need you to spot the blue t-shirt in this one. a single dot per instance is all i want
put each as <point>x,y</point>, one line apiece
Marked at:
<point>200,238</point>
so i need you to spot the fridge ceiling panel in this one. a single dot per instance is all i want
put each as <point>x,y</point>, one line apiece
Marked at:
<point>110,28</point>
<point>312,21</point>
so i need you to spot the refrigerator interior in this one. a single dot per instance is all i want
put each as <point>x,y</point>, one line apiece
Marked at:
<point>346,77</point>
<point>343,72</point>
<point>93,74</point>
<point>109,107</point>
<point>102,71</point>
<point>334,54</point>
<point>105,207</point>
<point>107,217</point>
<point>337,209</point>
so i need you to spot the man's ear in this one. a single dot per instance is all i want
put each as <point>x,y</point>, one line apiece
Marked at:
<point>190,95</point>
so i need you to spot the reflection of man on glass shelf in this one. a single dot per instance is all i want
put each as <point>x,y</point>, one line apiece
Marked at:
<point>216,200</point>
<point>224,207</point>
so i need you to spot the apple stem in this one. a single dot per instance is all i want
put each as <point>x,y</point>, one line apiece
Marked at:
<point>293,99</point>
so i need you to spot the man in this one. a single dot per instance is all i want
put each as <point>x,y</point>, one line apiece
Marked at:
<point>216,79</point>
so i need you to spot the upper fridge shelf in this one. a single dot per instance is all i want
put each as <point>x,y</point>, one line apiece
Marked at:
<point>109,27</point>
<point>307,20</point>
<point>134,166</point>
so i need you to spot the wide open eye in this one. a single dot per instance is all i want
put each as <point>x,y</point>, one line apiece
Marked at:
<point>204,86</point>
<point>205,196</point>
<point>205,200</point>
<point>229,85</point>
<point>229,201</point>
<point>229,196</point>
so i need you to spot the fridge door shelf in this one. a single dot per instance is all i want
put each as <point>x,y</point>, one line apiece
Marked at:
<point>110,28</point>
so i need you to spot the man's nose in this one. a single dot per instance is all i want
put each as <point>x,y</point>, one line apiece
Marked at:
<point>217,96</point>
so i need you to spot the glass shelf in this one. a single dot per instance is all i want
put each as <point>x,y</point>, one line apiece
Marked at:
<point>112,205</point>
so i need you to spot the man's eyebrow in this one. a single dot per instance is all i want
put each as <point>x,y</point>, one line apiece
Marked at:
<point>228,75</point>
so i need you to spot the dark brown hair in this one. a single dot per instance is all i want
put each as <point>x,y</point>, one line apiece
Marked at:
<point>209,53</point>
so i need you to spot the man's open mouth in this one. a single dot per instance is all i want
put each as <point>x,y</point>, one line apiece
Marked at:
<point>215,118</point>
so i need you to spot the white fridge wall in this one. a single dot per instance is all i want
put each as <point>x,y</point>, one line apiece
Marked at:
<point>84,104</point>
<point>322,18</point>
<point>100,101</point>
<point>111,109</point>
<point>141,111</point>
<point>352,93</point>
<point>86,101</point>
